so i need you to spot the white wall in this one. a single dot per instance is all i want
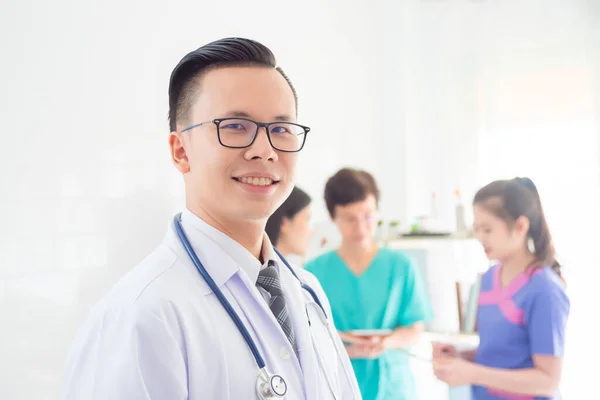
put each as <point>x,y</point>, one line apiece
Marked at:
<point>449,74</point>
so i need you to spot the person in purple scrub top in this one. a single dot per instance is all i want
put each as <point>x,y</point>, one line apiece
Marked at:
<point>523,307</point>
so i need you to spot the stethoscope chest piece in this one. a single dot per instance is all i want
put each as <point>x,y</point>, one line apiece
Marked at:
<point>270,386</point>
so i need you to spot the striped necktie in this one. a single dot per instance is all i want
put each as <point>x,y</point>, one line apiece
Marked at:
<point>268,279</point>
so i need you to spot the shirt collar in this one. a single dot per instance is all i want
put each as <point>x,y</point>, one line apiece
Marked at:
<point>242,257</point>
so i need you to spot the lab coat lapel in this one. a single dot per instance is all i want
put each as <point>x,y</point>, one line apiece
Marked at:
<point>308,361</point>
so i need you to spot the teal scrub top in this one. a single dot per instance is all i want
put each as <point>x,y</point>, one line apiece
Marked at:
<point>389,294</point>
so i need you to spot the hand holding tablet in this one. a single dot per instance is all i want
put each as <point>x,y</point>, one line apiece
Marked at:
<point>371,332</point>
<point>365,337</point>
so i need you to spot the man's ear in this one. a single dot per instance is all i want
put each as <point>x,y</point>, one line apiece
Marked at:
<point>179,156</point>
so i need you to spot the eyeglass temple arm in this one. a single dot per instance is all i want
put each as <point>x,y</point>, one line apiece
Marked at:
<point>196,125</point>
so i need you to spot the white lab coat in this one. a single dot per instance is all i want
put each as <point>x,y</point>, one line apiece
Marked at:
<point>160,333</point>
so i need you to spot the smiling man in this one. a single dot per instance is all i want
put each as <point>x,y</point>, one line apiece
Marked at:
<point>214,312</point>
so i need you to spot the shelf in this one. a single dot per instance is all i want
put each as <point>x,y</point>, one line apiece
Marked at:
<point>418,241</point>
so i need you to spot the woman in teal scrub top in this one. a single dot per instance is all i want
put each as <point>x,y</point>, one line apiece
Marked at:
<point>371,288</point>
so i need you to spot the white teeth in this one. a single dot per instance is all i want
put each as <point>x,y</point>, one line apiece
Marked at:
<point>257,181</point>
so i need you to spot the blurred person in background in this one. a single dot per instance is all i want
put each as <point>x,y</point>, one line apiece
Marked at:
<point>523,307</point>
<point>289,227</point>
<point>371,288</point>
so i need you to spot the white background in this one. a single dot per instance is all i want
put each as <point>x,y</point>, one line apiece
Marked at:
<point>430,96</point>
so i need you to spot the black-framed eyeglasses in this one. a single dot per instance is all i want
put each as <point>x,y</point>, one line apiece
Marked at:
<point>238,133</point>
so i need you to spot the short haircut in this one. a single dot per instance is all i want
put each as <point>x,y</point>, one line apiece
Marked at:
<point>228,52</point>
<point>296,202</point>
<point>348,186</point>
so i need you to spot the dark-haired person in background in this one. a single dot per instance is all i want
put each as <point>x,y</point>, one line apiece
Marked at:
<point>289,226</point>
<point>523,307</point>
<point>170,330</point>
<point>371,288</point>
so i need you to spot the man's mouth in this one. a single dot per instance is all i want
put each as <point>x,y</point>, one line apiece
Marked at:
<point>256,181</point>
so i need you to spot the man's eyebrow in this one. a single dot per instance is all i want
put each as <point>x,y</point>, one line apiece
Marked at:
<point>283,117</point>
<point>243,114</point>
<point>238,114</point>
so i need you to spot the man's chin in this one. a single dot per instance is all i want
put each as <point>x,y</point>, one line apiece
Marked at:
<point>257,215</point>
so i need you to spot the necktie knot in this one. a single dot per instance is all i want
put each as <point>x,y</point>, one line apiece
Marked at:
<point>268,279</point>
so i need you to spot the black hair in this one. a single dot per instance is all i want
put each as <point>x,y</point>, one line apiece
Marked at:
<point>296,202</point>
<point>227,52</point>
<point>520,197</point>
<point>348,186</point>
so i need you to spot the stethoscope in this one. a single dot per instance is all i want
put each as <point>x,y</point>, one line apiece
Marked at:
<point>268,385</point>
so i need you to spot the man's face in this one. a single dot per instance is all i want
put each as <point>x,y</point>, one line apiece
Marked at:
<point>226,182</point>
<point>357,221</point>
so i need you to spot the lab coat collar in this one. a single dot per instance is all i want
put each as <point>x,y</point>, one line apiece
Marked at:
<point>252,266</point>
<point>241,257</point>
